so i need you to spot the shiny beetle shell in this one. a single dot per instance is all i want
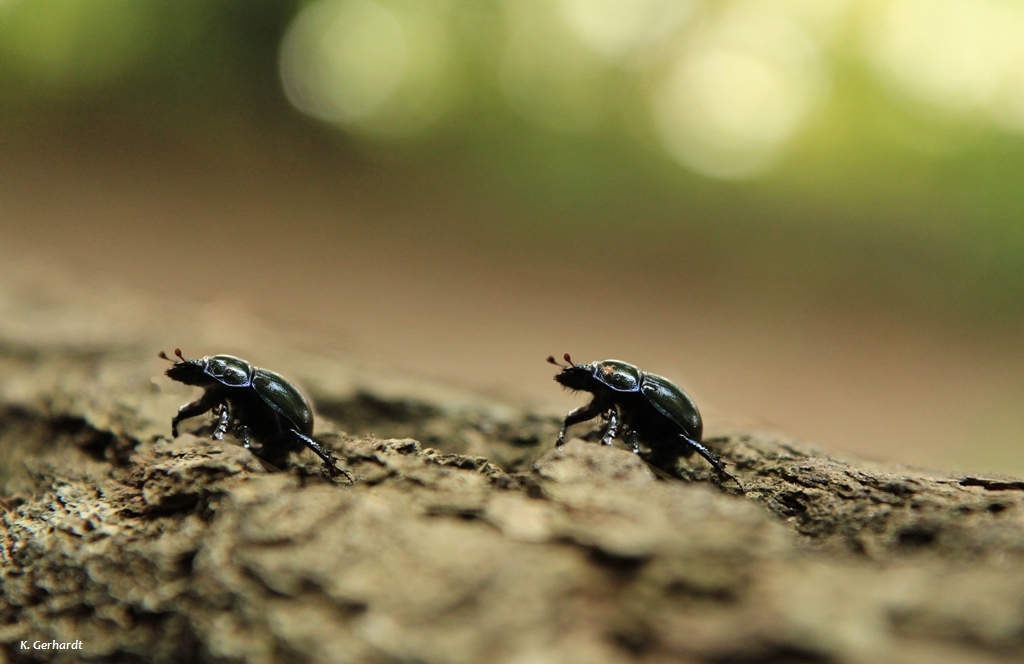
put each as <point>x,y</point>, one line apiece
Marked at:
<point>276,392</point>
<point>660,392</point>
<point>282,396</point>
<point>641,406</point>
<point>249,401</point>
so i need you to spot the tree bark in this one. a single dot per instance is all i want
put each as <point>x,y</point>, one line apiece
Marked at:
<point>463,535</point>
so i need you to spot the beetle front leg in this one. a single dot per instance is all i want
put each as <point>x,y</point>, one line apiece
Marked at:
<point>581,414</point>
<point>612,429</point>
<point>201,405</point>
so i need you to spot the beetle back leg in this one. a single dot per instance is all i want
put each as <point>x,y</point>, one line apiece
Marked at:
<point>330,462</point>
<point>633,438</point>
<point>246,437</point>
<point>710,458</point>
<point>271,452</point>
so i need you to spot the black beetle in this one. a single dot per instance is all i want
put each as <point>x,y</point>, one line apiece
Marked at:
<point>251,402</point>
<point>647,406</point>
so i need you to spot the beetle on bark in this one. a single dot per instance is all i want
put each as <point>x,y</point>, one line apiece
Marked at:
<point>251,403</point>
<point>638,405</point>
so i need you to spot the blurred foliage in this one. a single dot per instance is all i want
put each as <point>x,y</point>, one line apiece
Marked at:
<point>172,58</point>
<point>542,112</point>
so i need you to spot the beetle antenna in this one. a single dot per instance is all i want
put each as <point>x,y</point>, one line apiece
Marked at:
<point>163,356</point>
<point>551,360</point>
<point>177,351</point>
<point>568,359</point>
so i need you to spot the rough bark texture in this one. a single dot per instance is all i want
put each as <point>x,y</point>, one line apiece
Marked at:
<point>465,536</point>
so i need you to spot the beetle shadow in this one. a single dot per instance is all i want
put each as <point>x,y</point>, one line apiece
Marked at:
<point>673,466</point>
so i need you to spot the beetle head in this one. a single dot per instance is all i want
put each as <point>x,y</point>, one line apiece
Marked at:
<point>574,376</point>
<point>185,370</point>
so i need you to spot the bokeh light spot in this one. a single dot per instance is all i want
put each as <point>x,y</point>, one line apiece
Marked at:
<point>617,29</point>
<point>729,104</point>
<point>951,53</point>
<point>340,61</point>
<point>366,65</point>
<point>965,57</point>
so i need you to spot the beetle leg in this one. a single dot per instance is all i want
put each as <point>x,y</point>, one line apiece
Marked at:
<point>633,438</point>
<point>581,414</point>
<point>612,430</point>
<point>711,458</point>
<point>204,403</point>
<point>243,433</point>
<point>317,448</point>
<point>224,419</point>
<point>330,462</point>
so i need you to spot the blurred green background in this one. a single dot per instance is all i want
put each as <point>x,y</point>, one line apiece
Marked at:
<point>807,212</point>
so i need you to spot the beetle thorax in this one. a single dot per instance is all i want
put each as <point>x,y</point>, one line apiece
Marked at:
<point>618,375</point>
<point>229,370</point>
